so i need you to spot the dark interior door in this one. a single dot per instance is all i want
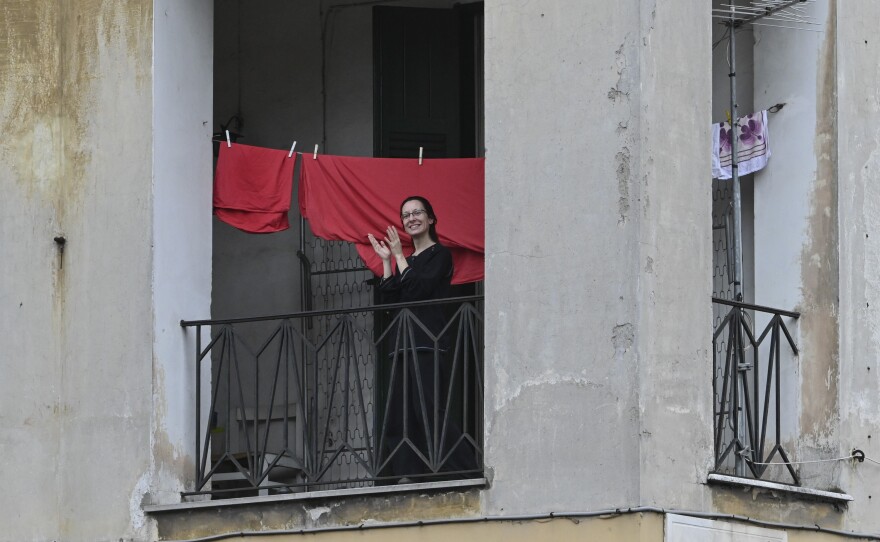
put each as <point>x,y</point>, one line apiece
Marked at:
<point>417,89</point>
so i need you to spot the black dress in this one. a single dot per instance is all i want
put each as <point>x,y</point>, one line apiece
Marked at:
<point>429,276</point>
<point>418,435</point>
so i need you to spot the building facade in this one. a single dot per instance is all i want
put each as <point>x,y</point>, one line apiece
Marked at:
<point>610,405</point>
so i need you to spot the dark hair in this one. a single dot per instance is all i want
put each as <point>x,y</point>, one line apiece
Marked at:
<point>432,229</point>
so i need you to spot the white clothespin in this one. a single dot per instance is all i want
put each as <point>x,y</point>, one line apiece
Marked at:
<point>228,141</point>
<point>315,155</point>
<point>291,149</point>
<point>421,150</point>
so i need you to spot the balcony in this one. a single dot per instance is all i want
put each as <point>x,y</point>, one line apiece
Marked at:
<point>753,376</point>
<point>338,399</point>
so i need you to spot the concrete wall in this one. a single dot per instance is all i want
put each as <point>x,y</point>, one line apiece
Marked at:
<point>107,142</point>
<point>77,346</point>
<point>562,174</point>
<point>858,170</point>
<point>673,332</point>
<point>596,332</point>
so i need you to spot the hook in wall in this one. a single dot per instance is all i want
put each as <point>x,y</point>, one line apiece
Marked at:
<point>61,241</point>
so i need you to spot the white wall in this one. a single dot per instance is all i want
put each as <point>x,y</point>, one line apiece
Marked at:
<point>181,219</point>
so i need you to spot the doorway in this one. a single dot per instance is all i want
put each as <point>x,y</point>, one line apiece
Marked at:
<point>307,71</point>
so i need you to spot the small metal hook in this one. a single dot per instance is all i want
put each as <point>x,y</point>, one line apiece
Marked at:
<point>61,241</point>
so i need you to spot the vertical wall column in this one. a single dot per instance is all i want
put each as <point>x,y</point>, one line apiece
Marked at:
<point>182,188</point>
<point>858,143</point>
<point>76,349</point>
<point>598,228</point>
<point>674,272</point>
<point>562,214</point>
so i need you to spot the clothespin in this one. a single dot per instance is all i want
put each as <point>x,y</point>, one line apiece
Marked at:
<point>315,155</point>
<point>228,140</point>
<point>728,117</point>
<point>291,149</point>
<point>421,149</point>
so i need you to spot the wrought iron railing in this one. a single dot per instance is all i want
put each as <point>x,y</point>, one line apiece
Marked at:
<point>749,378</point>
<point>372,396</point>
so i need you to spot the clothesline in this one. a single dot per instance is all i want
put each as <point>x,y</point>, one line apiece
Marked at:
<point>344,198</point>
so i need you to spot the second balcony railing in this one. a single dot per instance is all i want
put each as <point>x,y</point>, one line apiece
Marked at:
<point>753,369</point>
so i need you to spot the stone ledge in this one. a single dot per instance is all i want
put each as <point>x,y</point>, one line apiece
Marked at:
<point>797,491</point>
<point>312,495</point>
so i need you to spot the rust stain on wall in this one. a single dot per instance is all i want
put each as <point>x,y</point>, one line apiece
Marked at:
<point>819,265</point>
<point>31,96</point>
<point>57,61</point>
<point>52,58</point>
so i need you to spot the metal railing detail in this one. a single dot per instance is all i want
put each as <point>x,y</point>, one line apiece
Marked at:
<point>341,405</point>
<point>747,387</point>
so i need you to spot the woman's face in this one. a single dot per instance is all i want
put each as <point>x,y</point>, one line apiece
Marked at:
<point>415,219</point>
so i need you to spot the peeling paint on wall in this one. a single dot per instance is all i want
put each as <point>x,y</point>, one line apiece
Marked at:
<point>548,378</point>
<point>621,89</point>
<point>622,160</point>
<point>622,339</point>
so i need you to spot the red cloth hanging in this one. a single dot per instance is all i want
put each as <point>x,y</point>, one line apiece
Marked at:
<point>252,187</point>
<point>345,198</point>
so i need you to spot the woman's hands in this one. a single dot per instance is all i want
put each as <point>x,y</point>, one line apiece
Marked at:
<point>393,241</point>
<point>388,248</point>
<point>381,249</point>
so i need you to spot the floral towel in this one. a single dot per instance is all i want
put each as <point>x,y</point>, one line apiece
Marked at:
<point>753,145</point>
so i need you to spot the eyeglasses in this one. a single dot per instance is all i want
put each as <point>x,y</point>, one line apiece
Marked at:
<point>417,213</point>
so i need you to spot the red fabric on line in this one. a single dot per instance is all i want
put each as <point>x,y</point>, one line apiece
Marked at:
<point>345,198</point>
<point>252,187</point>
